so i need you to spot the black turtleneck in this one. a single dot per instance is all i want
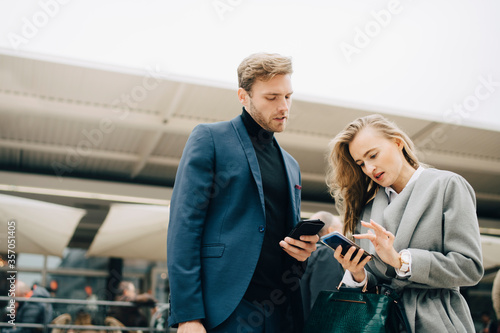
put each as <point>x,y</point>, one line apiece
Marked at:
<point>268,273</point>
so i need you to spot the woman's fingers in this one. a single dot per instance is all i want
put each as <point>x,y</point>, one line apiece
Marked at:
<point>349,262</point>
<point>380,232</point>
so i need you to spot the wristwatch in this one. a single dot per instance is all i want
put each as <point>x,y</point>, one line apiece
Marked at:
<point>405,258</point>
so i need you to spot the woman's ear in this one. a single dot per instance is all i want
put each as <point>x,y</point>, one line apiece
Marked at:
<point>399,143</point>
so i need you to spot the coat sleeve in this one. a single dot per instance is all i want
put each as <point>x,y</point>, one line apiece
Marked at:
<point>188,209</point>
<point>460,262</point>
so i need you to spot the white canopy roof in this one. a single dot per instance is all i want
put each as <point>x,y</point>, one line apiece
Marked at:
<point>411,58</point>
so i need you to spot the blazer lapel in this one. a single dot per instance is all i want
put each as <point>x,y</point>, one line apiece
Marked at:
<point>293,184</point>
<point>249,150</point>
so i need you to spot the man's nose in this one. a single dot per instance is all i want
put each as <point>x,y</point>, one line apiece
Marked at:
<point>284,104</point>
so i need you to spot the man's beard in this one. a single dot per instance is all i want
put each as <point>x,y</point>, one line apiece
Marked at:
<point>257,116</point>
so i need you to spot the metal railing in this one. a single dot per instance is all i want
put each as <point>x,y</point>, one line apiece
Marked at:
<point>161,307</point>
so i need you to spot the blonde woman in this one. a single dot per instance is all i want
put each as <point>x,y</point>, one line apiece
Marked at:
<point>420,224</point>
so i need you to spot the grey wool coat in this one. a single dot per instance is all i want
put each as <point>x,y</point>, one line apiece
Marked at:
<point>434,217</point>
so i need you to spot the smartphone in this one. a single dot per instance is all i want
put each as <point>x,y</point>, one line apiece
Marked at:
<point>306,227</point>
<point>334,239</point>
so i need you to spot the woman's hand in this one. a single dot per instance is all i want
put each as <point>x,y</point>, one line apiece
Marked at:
<point>383,241</point>
<point>353,265</point>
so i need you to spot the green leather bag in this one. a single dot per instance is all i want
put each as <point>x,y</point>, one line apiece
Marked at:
<point>351,310</point>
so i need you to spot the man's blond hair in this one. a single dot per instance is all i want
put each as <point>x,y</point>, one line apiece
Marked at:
<point>262,66</point>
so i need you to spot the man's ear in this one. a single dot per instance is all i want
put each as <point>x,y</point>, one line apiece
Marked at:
<point>243,96</point>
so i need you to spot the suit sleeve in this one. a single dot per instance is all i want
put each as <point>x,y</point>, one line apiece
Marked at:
<point>460,263</point>
<point>188,209</point>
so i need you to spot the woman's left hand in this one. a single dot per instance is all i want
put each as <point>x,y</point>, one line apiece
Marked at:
<point>383,241</point>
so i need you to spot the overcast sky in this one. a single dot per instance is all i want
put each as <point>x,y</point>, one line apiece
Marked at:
<point>434,59</point>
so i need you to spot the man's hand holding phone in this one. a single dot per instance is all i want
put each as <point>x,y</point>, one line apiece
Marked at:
<point>300,249</point>
<point>301,241</point>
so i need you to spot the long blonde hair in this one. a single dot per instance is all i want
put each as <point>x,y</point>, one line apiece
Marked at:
<point>347,183</point>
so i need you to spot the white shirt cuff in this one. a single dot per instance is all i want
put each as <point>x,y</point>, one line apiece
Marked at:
<point>348,280</point>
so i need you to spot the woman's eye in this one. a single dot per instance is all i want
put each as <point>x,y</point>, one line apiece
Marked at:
<point>373,156</point>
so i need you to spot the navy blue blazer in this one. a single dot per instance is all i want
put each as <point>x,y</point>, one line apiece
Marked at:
<point>217,222</point>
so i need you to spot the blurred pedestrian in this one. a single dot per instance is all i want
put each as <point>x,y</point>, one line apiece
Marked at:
<point>489,325</point>
<point>133,316</point>
<point>30,312</point>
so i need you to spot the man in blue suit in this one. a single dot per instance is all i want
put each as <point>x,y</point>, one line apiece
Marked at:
<point>236,197</point>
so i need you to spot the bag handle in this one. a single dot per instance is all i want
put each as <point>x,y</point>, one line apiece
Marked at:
<point>396,298</point>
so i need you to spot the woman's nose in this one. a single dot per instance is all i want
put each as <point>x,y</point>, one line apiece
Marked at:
<point>369,168</point>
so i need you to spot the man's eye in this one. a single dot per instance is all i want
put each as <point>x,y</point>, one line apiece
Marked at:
<point>271,98</point>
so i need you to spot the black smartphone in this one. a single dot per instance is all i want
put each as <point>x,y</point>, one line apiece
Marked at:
<point>334,239</point>
<point>306,227</point>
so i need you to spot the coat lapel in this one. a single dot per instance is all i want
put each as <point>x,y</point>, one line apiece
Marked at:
<point>393,213</point>
<point>396,218</point>
<point>413,211</point>
<point>294,185</point>
<point>376,214</point>
<point>253,163</point>
<point>380,203</point>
